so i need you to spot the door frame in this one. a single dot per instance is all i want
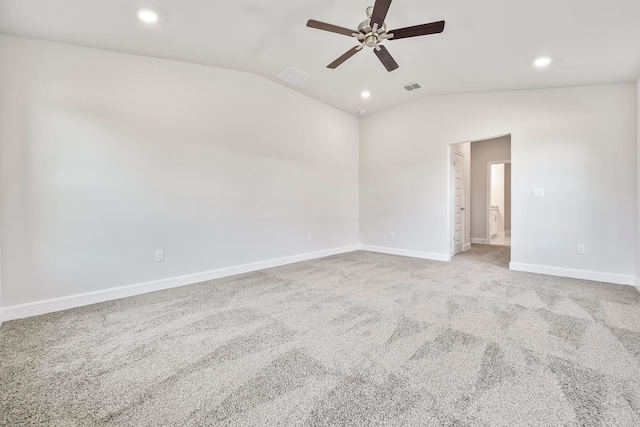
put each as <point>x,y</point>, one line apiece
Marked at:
<point>450,186</point>
<point>451,194</point>
<point>453,199</point>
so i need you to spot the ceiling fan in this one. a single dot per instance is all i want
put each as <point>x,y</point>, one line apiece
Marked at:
<point>373,30</point>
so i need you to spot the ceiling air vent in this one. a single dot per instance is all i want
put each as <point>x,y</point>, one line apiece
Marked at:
<point>293,76</point>
<point>412,86</point>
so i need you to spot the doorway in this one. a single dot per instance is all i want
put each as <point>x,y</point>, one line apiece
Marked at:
<point>470,193</point>
<point>499,214</point>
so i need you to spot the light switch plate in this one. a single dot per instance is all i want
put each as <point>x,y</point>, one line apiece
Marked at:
<point>538,192</point>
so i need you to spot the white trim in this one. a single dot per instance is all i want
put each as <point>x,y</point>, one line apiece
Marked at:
<point>475,241</point>
<point>404,252</point>
<point>482,139</point>
<point>636,282</point>
<point>467,247</point>
<point>64,303</point>
<point>598,276</point>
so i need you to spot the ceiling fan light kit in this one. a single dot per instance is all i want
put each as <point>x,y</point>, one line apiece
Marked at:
<point>373,30</point>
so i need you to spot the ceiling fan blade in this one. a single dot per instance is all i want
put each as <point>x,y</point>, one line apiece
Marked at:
<point>312,23</point>
<point>418,30</point>
<point>380,9</point>
<point>348,54</point>
<point>385,57</point>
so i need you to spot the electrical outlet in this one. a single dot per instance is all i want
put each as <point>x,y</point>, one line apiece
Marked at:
<point>159,256</point>
<point>309,236</point>
<point>392,234</point>
<point>580,248</point>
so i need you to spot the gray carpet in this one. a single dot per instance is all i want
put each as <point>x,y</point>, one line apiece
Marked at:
<point>354,339</point>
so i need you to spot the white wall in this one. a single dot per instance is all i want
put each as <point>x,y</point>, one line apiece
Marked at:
<point>497,192</point>
<point>483,152</point>
<point>1,309</point>
<point>637,279</point>
<point>579,144</point>
<point>507,198</point>
<point>106,158</point>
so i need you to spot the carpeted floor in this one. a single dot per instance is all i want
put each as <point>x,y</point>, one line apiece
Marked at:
<point>358,339</point>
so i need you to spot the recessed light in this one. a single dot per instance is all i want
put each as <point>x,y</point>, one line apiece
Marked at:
<point>365,94</point>
<point>542,61</point>
<point>147,15</point>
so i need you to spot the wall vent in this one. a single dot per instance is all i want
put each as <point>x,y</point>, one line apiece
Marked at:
<point>412,86</point>
<point>293,76</point>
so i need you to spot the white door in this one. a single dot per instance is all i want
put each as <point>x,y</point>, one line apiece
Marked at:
<point>458,203</point>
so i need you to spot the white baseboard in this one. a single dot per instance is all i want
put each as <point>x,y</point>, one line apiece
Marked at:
<point>467,247</point>
<point>64,303</point>
<point>475,241</point>
<point>636,282</point>
<point>596,276</point>
<point>404,252</point>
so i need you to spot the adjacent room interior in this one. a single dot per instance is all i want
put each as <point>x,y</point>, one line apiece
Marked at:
<point>500,203</point>
<point>210,217</point>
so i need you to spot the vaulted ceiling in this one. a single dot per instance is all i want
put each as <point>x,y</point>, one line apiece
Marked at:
<point>487,45</point>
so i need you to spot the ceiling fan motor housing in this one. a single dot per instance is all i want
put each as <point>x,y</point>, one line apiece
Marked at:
<point>369,37</point>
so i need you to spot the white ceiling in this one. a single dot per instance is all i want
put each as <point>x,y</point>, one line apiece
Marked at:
<point>487,45</point>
